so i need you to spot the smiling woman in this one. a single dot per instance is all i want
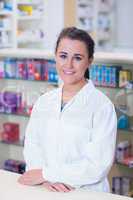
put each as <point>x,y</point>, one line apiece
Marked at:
<point>71,126</point>
<point>72,61</point>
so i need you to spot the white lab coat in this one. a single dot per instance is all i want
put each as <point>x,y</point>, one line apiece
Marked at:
<point>75,146</point>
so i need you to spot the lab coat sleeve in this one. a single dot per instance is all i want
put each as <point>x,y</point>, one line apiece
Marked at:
<point>32,152</point>
<point>98,153</point>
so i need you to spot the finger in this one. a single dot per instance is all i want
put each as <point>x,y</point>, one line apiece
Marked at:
<point>68,186</point>
<point>49,187</point>
<point>60,187</point>
<point>26,181</point>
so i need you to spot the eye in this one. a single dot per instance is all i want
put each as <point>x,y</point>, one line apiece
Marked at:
<point>63,56</point>
<point>78,58</point>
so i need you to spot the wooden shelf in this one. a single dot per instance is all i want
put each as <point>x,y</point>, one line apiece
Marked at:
<point>124,165</point>
<point>125,131</point>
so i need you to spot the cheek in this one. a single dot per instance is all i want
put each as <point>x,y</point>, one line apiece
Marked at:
<point>59,64</point>
<point>59,67</point>
<point>82,68</point>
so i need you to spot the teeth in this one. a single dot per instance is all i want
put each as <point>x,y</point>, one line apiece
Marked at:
<point>68,72</point>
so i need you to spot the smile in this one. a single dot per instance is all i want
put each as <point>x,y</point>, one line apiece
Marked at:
<point>68,72</point>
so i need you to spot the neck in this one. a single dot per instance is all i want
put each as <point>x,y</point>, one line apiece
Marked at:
<point>73,88</point>
<point>70,90</point>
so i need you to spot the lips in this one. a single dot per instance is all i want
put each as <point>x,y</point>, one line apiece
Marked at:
<point>68,72</point>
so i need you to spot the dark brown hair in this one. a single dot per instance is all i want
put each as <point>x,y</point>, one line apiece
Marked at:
<point>78,34</point>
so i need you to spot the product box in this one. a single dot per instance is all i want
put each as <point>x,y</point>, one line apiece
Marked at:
<point>30,69</point>
<point>99,75</point>
<point>11,101</point>
<point>122,185</point>
<point>21,69</point>
<point>108,76</point>
<point>10,126</point>
<point>1,103</point>
<point>52,73</point>
<point>10,68</point>
<point>10,132</point>
<point>103,71</point>
<point>14,166</point>
<point>37,69</point>
<point>124,77</point>
<point>123,151</point>
<point>116,185</point>
<point>114,76</point>
<point>27,9</point>
<point>44,70</point>
<point>128,161</point>
<point>94,72</point>
<point>2,73</point>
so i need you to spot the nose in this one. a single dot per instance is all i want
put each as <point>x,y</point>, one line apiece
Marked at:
<point>69,63</point>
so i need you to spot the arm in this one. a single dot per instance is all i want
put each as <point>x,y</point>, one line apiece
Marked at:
<point>34,159</point>
<point>32,152</point>
<point>98,153</point>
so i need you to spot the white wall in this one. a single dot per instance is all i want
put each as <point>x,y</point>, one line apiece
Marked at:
<point>124,24</point>
<point>54,21</point>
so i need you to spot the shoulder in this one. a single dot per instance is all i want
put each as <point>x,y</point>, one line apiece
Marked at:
<point>46,98</point>
<point>101,97</point>
<point>98,99</point>
<point>49,94</point>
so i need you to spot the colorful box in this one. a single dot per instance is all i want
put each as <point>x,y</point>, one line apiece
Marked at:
<point>10,132</point>
<point>124,77</point>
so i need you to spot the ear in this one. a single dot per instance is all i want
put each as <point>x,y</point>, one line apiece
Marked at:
<point>90,61</point>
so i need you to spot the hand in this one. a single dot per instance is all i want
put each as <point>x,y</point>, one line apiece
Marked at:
<point>32,177</point>
<point>57,187</point>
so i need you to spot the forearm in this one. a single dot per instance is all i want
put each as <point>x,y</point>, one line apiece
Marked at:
<point>32,177</point>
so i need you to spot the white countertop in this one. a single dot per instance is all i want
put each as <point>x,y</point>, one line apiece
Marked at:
<point>10,189</point>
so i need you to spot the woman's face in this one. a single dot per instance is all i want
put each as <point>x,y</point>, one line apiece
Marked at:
<point>72,60</point>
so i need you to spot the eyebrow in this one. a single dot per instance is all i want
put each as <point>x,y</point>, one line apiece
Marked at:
<point>76,54</point>
<point>63,52</point>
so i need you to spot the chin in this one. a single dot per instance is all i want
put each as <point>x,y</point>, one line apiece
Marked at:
<point>69,81</point>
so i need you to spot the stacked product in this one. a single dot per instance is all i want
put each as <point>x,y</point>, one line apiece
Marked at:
<point>29,69</point>
<point>123,153</point>
<point>122,185</point>
<point>10,132</point>
<point>9,102</point>
<point>12,103</point>
<point>109,76</point>
<point>103,75</point>
<point>14,166</point>
<point>124,77</point>
<point>6,5</point>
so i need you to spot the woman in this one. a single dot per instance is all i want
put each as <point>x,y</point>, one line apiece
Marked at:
<point>70,139</point>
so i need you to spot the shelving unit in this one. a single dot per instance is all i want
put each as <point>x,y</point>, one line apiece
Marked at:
<point>14,150</point>
<point>6,22</point>
<point>20,143</point>
<point>31,24</point>
<point>10,150</point>
<point>97,18</point>
<point>6,13</point>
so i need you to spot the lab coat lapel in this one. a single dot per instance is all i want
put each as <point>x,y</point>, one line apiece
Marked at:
<point>60,101</point>
<point>78,97</point>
